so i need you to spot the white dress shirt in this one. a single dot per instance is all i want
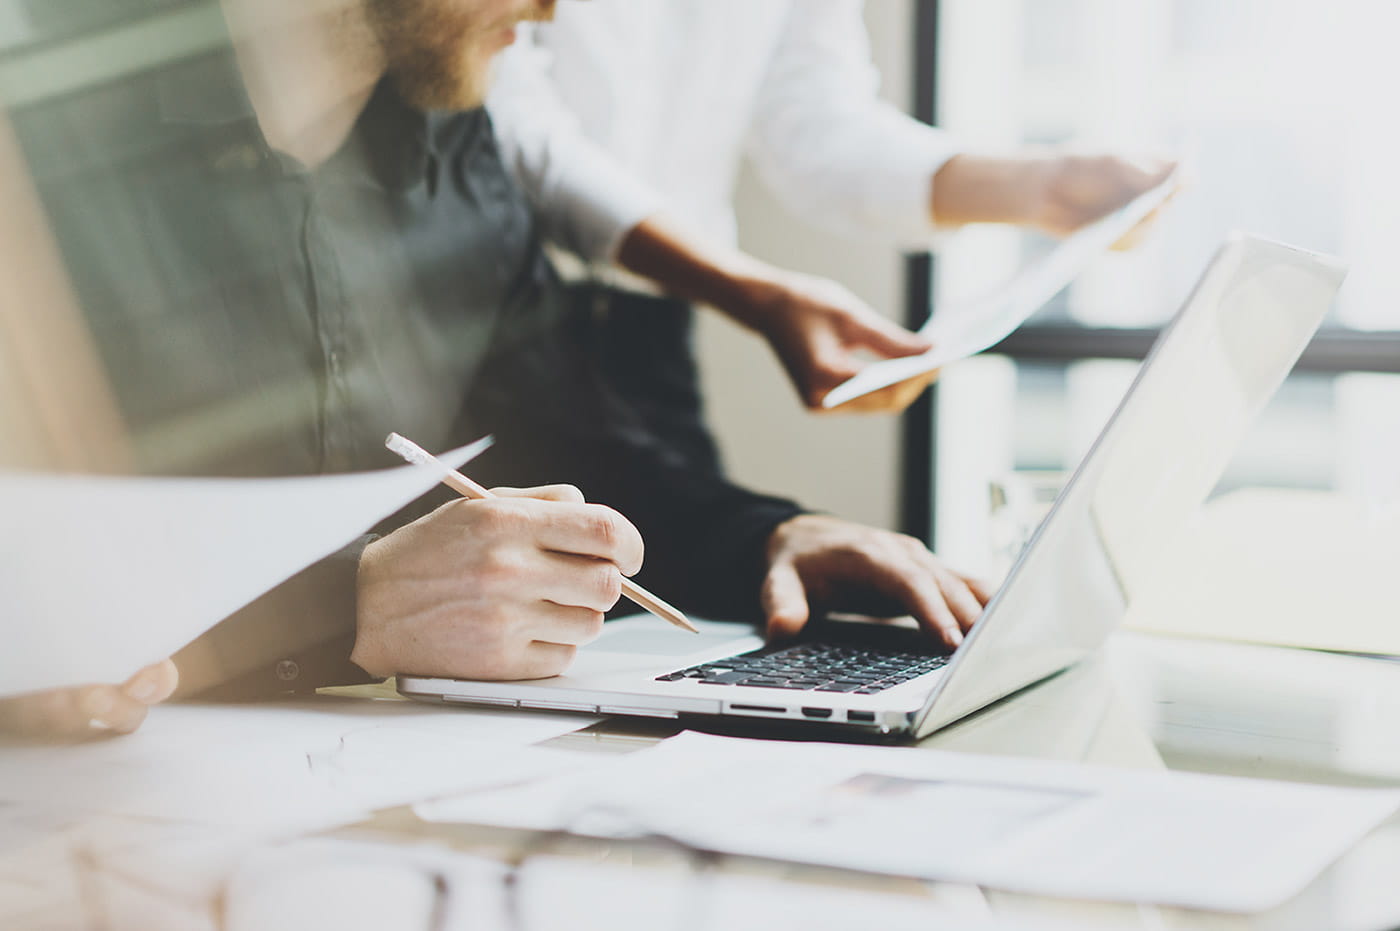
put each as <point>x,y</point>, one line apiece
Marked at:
<point>621,109</point>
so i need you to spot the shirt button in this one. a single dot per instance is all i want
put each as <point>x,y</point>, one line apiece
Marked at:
<point>288,670</point>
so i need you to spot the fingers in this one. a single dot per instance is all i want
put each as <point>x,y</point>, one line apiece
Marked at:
<point>818,364</point>
<point>965,604</point>
<point>1135,236</point>
<point>940,600</point>
<point>981,590</point>
<point>568,494</point>
<point>543,660</point>
<point>885,337</point>
<point>923,597</point>
<point>784,600</point>
<point>72,713</point>
<point>888,400</point>
<point>153,684</point>
<point>579,529</point>
<point>1154,171</point>
<point>574,581</point>
<point>592,530</point>
<point>566,624</point>
<point>111,708</point>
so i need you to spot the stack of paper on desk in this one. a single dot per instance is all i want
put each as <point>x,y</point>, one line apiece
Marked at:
<point>968,327</point>
<point>102,576</point>
<point>1048,828</point>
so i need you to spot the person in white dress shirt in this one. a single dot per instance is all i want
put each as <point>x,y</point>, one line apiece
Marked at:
<point>628,121</point>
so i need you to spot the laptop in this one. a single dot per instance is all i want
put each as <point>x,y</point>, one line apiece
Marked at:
<point>1209,374</point>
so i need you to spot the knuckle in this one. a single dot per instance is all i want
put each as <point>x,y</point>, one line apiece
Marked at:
<point>603,528</point>
<point>500,567</point>
<point>608,586</point>
<point>487,518</point>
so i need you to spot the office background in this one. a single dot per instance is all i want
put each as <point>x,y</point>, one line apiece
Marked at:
<point>1280,105</point>
<point>1280,108</point>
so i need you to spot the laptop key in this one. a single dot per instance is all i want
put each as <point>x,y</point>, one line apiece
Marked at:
<point>728,678</point>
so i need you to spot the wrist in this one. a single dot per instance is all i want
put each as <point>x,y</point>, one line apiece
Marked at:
<point>782,536</point>
<point>368,651</point>
<point>684,266</point>
<point>992,189</point>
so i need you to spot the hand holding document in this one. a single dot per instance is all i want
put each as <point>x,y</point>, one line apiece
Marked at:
<point>1044,828</point>
<point>105,575</point>
<point>969,327</point>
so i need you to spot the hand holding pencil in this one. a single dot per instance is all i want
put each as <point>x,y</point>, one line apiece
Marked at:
<point>464,486</point>
<point>506,587</point>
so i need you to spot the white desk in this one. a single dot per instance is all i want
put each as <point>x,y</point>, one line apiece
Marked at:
<point>1145,702</point>
<point>1149,702</point>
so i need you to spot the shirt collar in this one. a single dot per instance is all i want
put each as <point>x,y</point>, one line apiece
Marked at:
<point>391,143</point>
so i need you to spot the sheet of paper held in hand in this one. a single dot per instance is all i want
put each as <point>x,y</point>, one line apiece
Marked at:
<point>1046,828</point>
<point>965,328</point>
<point>105,575</point>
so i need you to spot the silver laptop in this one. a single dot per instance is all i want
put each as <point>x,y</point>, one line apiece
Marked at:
<point>1213,369</point>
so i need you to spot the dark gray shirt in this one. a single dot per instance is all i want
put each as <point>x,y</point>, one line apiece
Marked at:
<point>257,318</point>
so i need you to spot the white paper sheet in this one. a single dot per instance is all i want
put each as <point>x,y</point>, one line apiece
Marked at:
<point>1049,828</point>
<point>285,768</point>
<point>102,576</point>
<point>968,327</point>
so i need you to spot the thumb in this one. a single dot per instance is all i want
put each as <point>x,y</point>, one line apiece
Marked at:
<point>886,337</point>
<point>784,601</point>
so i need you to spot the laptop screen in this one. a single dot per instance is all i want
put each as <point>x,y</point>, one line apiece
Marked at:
<point>1213,369</point>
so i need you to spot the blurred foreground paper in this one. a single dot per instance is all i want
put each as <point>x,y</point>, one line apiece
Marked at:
<point>1045,828</point>
<point>102,576</point>
<point>1278,566</point>
<point>966,328</point>
<point>286,767</point>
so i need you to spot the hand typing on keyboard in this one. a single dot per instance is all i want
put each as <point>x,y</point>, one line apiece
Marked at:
<point>818,564</point>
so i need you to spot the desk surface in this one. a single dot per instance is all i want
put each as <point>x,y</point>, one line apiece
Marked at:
<point>1154,702</point>
<point>1145,702</point>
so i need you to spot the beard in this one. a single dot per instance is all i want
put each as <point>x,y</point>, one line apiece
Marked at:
<point>439,55</point>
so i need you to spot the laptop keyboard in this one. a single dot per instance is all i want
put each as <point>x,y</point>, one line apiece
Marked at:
<point>814,667</point>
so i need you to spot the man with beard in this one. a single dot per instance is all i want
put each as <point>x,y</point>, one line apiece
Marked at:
<point>287,251</point>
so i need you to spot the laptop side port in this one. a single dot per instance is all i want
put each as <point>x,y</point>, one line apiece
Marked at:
<point>866,717</point>
<point>816,712</point>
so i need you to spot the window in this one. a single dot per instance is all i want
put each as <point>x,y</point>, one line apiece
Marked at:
<point>1280,109</point>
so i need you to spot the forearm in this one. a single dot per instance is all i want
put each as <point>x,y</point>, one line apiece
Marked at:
<point>683,266</point>
<point>988,189</point>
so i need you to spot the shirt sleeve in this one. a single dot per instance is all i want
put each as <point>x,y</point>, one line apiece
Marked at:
<point>828,146</point>
<point>556,420</point>
<point>295,638</point>
<point>585,202</point>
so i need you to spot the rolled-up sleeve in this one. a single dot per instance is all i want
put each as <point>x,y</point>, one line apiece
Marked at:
<point>826,143</point>
<point>586,203</point>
